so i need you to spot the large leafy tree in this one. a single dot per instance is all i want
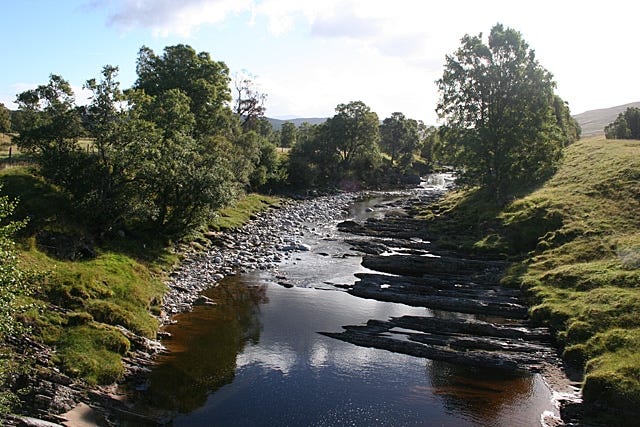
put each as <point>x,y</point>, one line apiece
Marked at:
<point>353,134</point>
<point>172,180</point>
<point>497,104</point>
<point>625,126</point>
<point>51,127</point>
<point>203,80</point>
<point>51,121</point>
<point>343,150</point>
<point>400,138</point>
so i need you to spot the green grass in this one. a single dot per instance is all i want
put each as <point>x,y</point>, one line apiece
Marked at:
<point>241,211</point>
<point>78,303</point>
<point>575,243</point>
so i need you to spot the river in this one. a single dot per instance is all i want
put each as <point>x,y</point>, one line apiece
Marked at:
<point>255,358</point>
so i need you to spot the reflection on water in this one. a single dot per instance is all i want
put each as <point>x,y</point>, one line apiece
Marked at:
<point>256,359</point>
<point>489,397</point>
<point>204,348</point>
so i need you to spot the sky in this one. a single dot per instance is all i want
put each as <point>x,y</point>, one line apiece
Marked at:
<point>308,56</point>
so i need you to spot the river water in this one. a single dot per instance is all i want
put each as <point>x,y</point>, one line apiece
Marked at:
<point>257,359</point>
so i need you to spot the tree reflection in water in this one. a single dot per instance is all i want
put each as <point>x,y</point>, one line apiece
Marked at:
<point>487,396</point>
<point>214,336</point>
<point>482,394</point>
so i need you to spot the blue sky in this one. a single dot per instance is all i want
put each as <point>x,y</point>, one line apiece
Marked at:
<point>308,56</point>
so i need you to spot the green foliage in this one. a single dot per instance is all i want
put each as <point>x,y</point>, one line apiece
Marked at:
<point>343,151</point>
<point>497,102</point>
<point>567,125</point>
<point>308,159</point>
<point>288,135</point>
<point>626,125</point>
<point>400,139</point>
<point>14,286</point>
<point>5,119</point>
<point>51,123</point>
<point>167,160</point>
<point>269,171</point>
<point>353,134</point>
<point>204,81</point>
<point>13,280</point>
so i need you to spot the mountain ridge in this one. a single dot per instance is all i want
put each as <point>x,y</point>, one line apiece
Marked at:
<point>277,123</point>
<point>593,122</point>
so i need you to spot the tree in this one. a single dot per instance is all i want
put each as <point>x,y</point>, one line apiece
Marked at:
<point>353,133</point>
<point>430,144</point>
<point>309,159</point>
<point>174,181</point>
<point>342,151</point>
<point>626,125</point>
<point>569,126</point>
<point>52,123</point>
<point>288,134</point>
<point>399,138</point>
<point>497,102</point>
<point>203,80</point>
<point>50,129</point>
<point>5,119</point>
<point>249,105</point>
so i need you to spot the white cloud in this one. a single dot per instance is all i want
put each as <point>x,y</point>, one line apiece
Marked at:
<point>391,52</point>
<point>276,357</point>
<point>167,17</point>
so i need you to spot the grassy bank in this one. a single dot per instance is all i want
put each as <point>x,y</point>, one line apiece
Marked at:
<point>575,243</point>
<point>90,285</point>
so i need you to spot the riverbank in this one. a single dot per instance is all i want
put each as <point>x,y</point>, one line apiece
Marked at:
<point>94,307</point>
<point>574,248</point>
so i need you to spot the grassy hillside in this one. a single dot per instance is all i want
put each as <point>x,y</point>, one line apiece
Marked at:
<point>593,122</point>
<point>584,276</point>
<point>575,243</point>
<point>89,285</point>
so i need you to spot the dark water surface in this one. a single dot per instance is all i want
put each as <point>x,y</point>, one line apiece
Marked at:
<point>257,359</point>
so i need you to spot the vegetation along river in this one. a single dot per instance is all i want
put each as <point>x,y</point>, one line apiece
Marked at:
<point>256,356</point>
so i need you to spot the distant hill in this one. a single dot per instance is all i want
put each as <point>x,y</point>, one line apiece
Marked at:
<point>277,123</point>
<point>594,121</point>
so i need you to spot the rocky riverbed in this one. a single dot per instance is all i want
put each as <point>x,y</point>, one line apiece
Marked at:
<point>262,244</point>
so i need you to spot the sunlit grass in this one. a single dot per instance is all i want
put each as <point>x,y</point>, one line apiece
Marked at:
<point>241,211</point>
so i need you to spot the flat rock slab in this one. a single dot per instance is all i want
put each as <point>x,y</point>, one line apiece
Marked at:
<point>480,301</point>
<point>459,341</point>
